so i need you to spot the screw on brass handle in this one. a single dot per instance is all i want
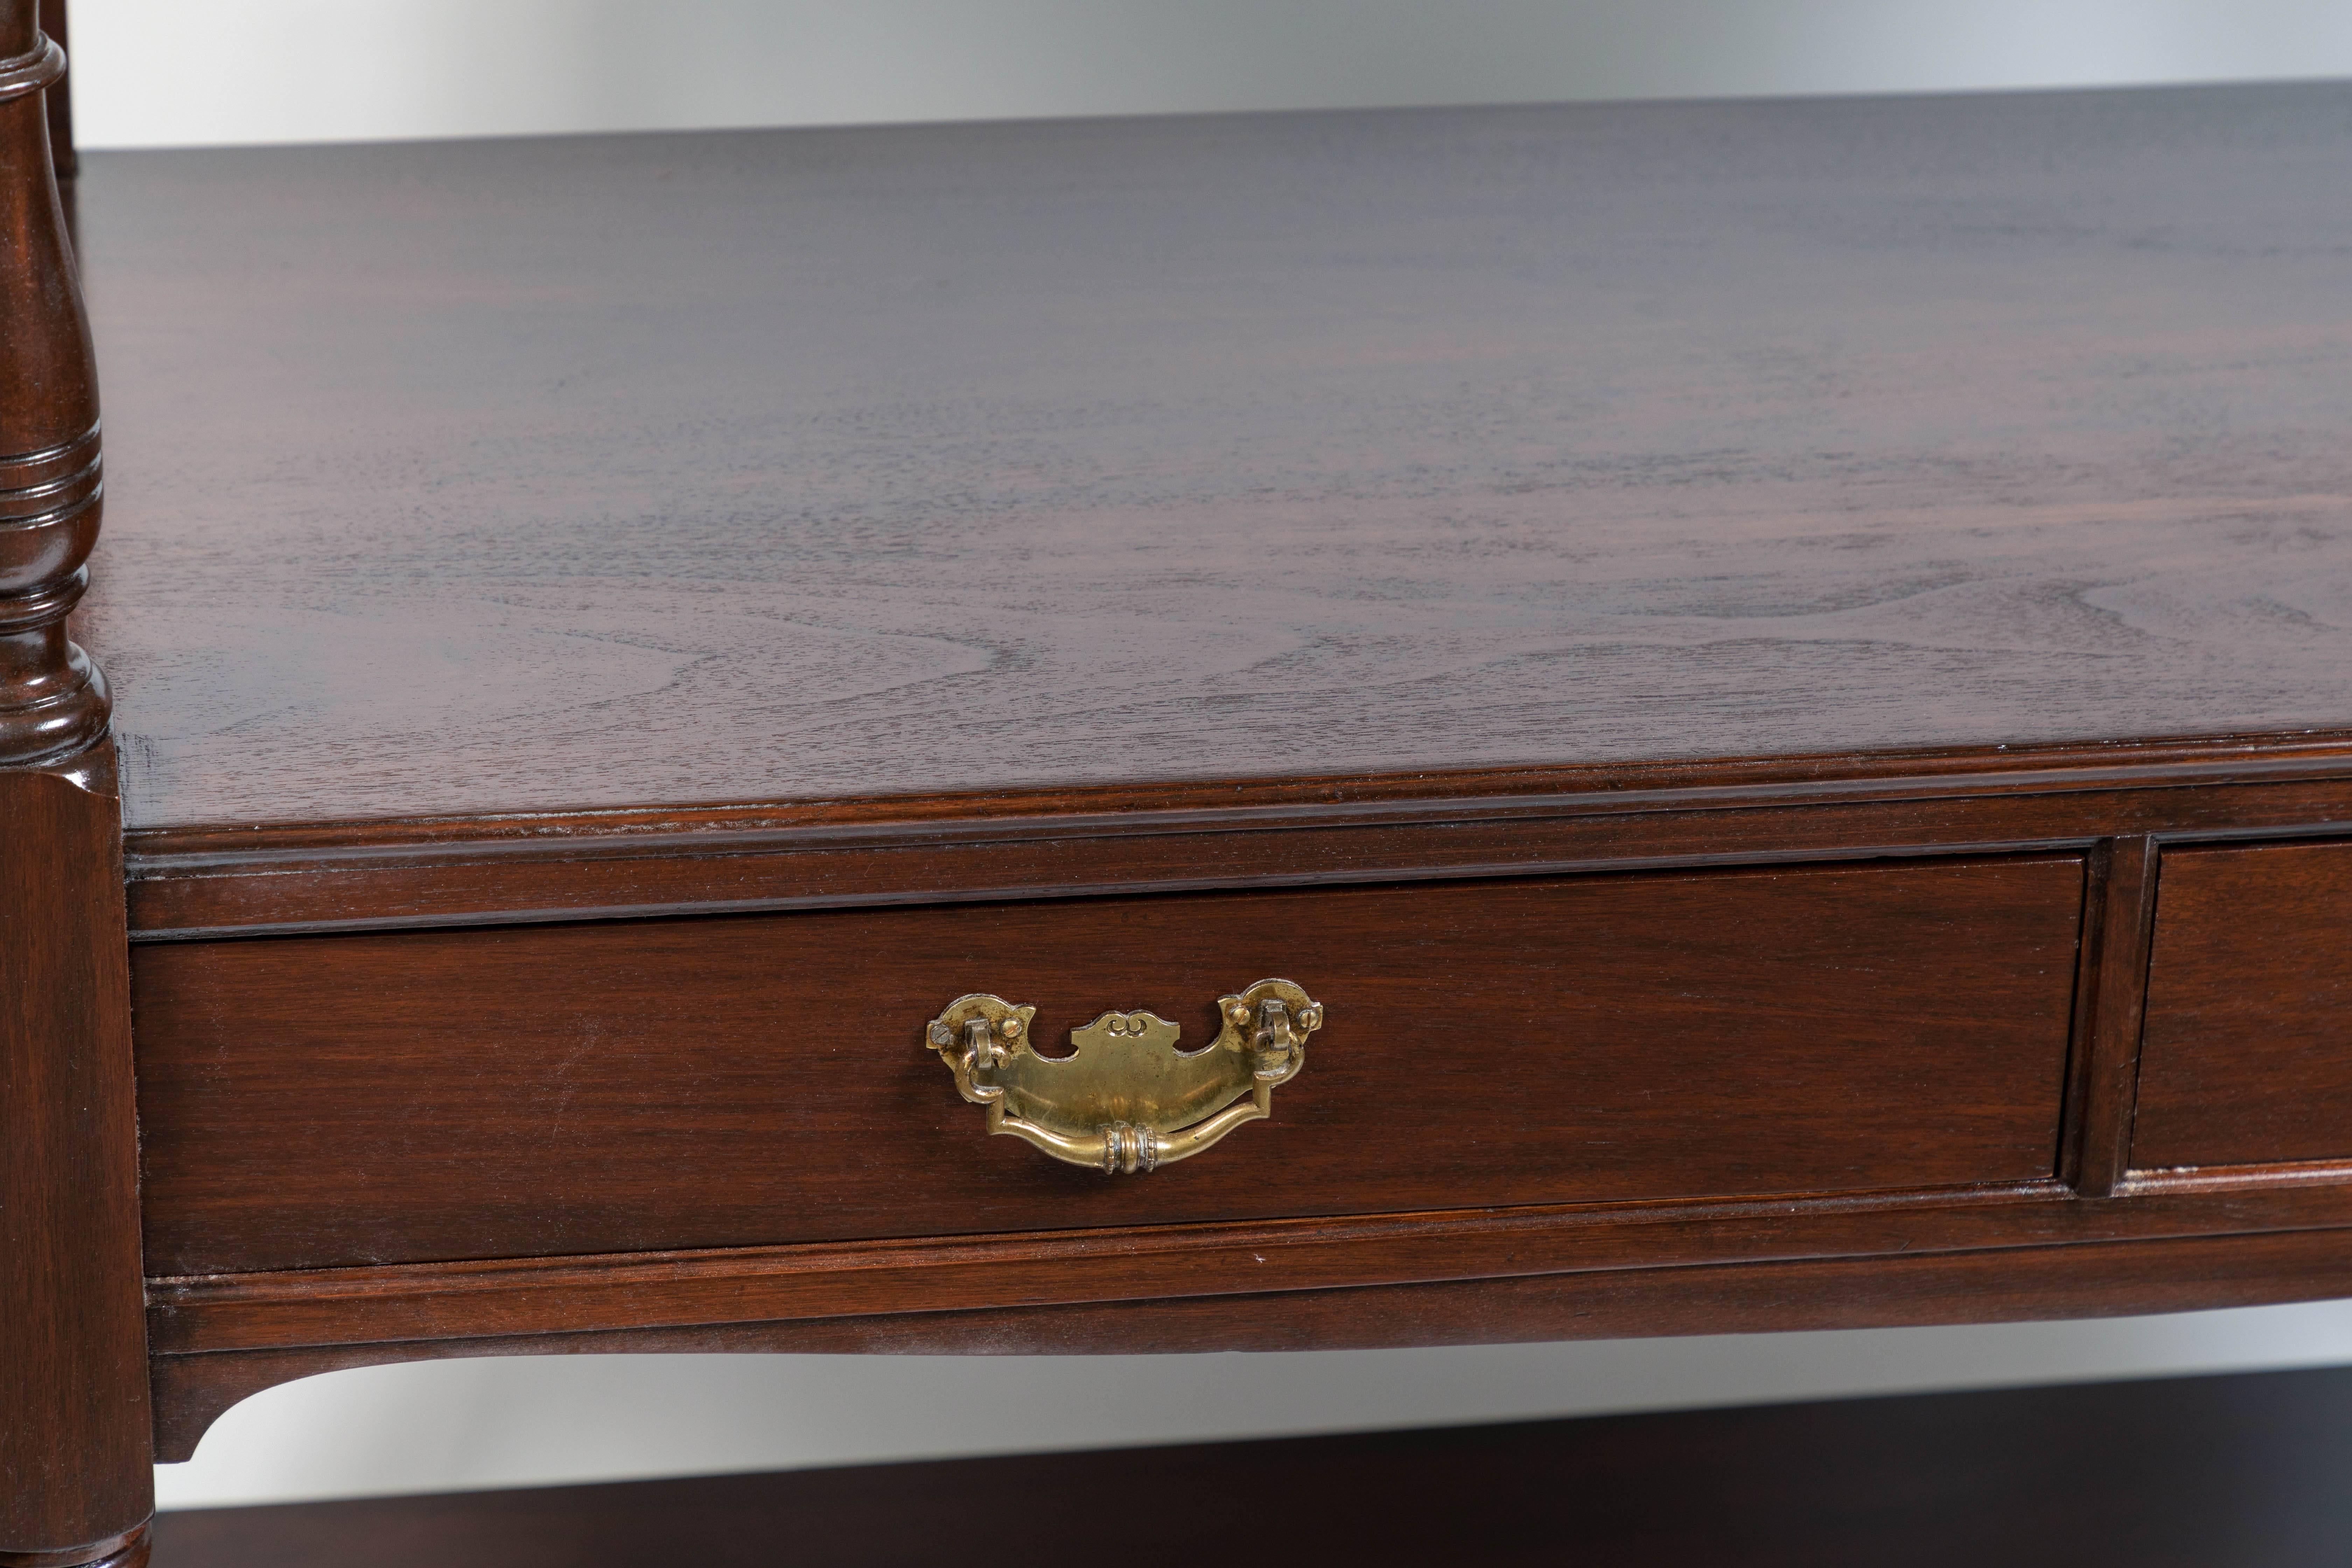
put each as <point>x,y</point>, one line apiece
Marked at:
<point>1126,1100</point>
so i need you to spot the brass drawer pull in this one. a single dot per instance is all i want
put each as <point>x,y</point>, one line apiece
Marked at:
<point>1126,1100</point>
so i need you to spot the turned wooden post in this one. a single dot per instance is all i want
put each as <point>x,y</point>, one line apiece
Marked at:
<point>60,101</point>
<point>76,1481</point>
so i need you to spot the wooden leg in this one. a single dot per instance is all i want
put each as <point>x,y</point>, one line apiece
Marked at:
<point>76,1482</point>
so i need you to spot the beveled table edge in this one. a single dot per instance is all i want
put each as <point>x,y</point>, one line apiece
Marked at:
<point>203,880</point>
<point>1533,788</point>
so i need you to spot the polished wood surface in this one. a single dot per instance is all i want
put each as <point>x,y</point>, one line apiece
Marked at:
<point>75,1424</point>
<point>606,1088</point>
<point>1741,620</point>
<point>2109,1017</point>
<point>1988,1285</point>
<point>2249,1051</point>
<point>1306,830</point>
<point>505,477</point>
<point>58,96</point>
<point>53,702</point>
<point>2245,1471</point>
<point>985,1276</point>
<point>74,1411</point>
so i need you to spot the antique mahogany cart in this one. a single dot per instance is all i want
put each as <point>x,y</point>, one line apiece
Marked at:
<point>1735,716</point>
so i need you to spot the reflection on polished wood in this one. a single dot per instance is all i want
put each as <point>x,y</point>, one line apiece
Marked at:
<point>506,477</point>
<point>1782,669</point>
<point>76,1484</point>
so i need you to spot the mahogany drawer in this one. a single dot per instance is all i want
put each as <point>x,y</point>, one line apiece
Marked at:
<point>2247,1053</point>
<point>756,1079</point>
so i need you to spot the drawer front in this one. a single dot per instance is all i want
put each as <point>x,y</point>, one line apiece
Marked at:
<point>2247,1057</point>
<point>759,1079</point>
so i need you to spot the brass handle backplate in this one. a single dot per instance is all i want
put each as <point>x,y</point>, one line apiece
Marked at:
<point>1126,1100</point>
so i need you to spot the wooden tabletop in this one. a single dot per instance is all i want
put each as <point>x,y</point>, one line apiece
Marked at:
<point>513,476</point>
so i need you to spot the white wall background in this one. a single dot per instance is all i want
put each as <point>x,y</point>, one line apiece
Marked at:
<point>159,72</point>
<point>546,1420</point>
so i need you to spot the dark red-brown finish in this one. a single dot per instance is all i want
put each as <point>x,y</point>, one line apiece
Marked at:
<point>2109,996</point>
<point>618,631</point>
<point>2249,1052</point>
<point>668,1289</point>
<point>59,94</point>
<point>1305,830</point>
<point>73,1387</point>
<point>53,702</point>
<point>132,1548</point>
<point>506,477</point>
<point>2193,1473</point>
<point>1985,1286</point>
<point>75,1424</point>
<point>608,1088</point>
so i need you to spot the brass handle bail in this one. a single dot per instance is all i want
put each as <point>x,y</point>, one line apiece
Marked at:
<point>1126,1100</point>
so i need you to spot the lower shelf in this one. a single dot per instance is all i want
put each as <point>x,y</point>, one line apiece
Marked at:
<point>2247,1470</point>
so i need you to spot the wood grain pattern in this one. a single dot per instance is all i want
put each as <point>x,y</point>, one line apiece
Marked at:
<point>519,476</point>
<point>667,1289</point>
<point>2249,1052</point>
<point>75,1482</point>
<point>189,882</point>
<point>1351,509</point>
<point>2110,995</point>
<point>608,1088</point>
<point>53,702</point>
<point>2184,1473</point>
<point>1984,1285</point>
<point>74,1419</point>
